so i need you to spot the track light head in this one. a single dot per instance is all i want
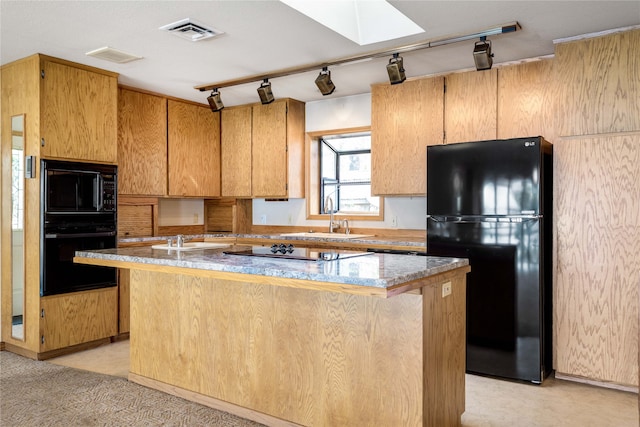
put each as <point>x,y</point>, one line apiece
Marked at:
<point>215,101</point>
<point>482,54</point>
<point>395,69</point>
<point>264,91</point>
<point>324,83</point>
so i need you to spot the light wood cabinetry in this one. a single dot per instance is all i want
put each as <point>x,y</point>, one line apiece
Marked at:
<point>278,149</point>
<point>235,151</point>
<point>193,150</point>
<point>404,120</point>
<point>471,101</point>
<point>527,100</point>
<point>142,143</point>
<point>78,112</point>
<point>77,318</point>
<point>600,84</point>
<point>597,207</point>
<point>72,109</point>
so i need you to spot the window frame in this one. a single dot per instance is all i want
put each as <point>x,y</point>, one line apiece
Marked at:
<point>313,181</point>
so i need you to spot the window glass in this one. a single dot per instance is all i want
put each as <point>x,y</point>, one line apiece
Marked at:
<point>346,174</point>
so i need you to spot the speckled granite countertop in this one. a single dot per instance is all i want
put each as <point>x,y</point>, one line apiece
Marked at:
<point>370,270</point>
<point>373,240</point>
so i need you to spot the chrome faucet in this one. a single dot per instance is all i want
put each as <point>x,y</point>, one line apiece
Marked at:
<point>328,208</point>
<point>180,239</point>
<point>346,226</point>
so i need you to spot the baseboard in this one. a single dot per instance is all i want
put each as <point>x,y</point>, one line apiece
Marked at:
<point>605,384</point>
<point>73,349</point>
<point>211,402</point>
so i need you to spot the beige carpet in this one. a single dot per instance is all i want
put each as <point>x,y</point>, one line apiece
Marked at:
<point>34,393</point>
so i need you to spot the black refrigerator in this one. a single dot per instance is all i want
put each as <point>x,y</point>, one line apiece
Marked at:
<point>491,202</point>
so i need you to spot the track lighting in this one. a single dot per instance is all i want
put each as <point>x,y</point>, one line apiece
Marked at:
<point>215,101</point>
<point>395,70</point>
<point>324,83</point>
<point>264,91</point>
<point>482,54</point>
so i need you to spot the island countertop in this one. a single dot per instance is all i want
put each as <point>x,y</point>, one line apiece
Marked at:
<point>372,274</point>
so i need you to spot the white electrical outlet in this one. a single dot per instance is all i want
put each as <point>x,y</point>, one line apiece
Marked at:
<point>290,220</point>
<point>394,221</point>
<point>195,218</point>
<point>263,219</point>
<point>446,289</point>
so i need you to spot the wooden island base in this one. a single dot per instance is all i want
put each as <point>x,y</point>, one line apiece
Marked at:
<point>287,356</point>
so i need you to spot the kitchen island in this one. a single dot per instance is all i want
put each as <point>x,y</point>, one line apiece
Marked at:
<point>376,339</point>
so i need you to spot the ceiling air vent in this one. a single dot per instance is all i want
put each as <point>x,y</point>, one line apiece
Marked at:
<point>191,30</point>
<point>113,55</point>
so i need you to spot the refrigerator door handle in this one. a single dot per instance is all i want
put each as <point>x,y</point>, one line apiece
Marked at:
<point>483,218</point>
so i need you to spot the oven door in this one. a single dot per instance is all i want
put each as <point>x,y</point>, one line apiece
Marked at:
<point>61,275</point>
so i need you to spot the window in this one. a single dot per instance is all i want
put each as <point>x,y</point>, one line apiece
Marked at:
<point>340,175</point>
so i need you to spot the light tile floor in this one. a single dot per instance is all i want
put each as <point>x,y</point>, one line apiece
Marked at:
<point>489,402</point>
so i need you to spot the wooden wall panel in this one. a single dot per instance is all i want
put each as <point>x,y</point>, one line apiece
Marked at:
<point>527,100</point>
<point>142,143</point>
<point>193,150</point>
<point>282,350</point>
<point>599,83</point>
<point>597,205</point>
<point>471,104</point>
<point>405,119</point>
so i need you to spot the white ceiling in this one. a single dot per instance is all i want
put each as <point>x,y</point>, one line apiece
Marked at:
<point>265,36</point>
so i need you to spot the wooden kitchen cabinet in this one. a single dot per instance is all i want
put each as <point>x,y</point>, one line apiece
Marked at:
<point>79,317</point>
<point>193,150</point>
<point>142,144</point>
<point>278,149</point>
<point>78,112</point>
<point>404,120</point>
<point>527,100</point>
<point>471,103</point>
<point>235,151</point>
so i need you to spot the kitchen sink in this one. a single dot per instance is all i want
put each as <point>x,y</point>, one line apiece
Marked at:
<point>328,235</point>
<point>192,246</point>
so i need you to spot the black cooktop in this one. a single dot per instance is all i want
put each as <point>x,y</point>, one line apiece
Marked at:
<point>283,251</point>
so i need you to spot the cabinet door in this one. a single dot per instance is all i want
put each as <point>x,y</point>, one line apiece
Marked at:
<point>404,120</point>
<point>78,113</point>
<point>269,158</point>
<point>471,106</point>
<point>235,151</point>
<point>142,144</point>
<point>193,150</point>
<point>79,317</point>
<point>527,100</point>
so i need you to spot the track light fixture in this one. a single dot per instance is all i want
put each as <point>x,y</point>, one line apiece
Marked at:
<point>395,70</point>
<point>264,91</point>
<point>324,83</point>
<point>395,66</point>
<point>215,101</point>
<point>482,54</point>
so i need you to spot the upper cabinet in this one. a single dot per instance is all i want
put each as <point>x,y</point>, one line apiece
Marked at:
<point>405,118</point>
<point>596,77</point>
<point>471,104</point>
<point>278,149</point>
<point>235,151</point>
<point>78,112</point>
<point>142,144</point>
<point>193,150</point>
<point>527,100</point>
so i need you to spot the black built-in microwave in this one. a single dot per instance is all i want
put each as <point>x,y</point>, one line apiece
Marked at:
<point>73,187</point>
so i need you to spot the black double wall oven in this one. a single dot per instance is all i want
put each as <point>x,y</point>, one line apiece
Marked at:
<point>78,212</point>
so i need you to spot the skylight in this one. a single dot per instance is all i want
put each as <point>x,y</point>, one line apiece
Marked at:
<point>361,21</point>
